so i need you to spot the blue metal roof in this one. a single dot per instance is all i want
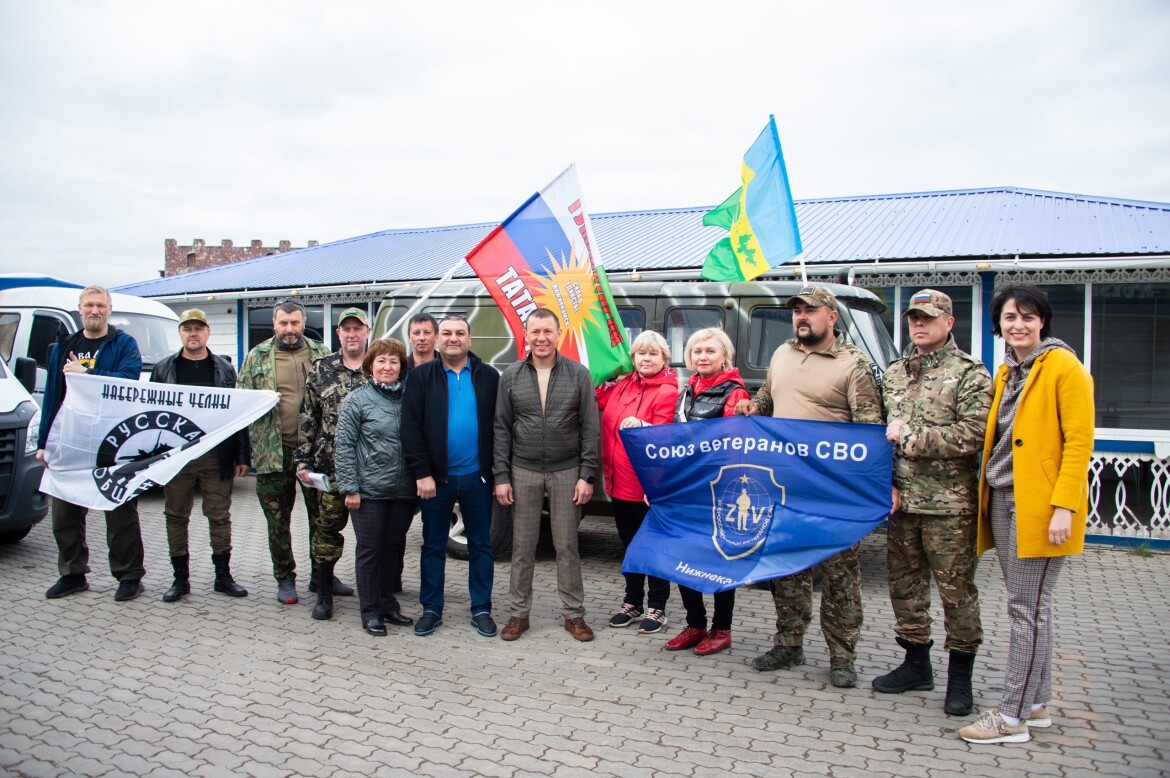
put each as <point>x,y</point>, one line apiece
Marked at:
<point>998,222</point>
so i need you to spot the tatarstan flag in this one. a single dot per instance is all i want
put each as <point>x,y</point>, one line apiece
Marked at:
<point>544,256</point>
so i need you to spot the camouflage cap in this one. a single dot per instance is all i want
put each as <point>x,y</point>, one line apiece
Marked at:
<point>816,296</point>
<point>931,302</point>
<point>192,314</point>
<point>353,313</point>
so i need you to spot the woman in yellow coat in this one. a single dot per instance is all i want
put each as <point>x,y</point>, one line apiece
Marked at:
<point>1033,497</point>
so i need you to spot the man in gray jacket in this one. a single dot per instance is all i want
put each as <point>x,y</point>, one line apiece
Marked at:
<point>547,435</point>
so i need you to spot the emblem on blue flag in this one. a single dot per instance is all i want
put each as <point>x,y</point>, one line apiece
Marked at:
<point>743,503</point>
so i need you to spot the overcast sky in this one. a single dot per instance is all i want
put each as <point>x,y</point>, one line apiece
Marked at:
<point>126,123</point>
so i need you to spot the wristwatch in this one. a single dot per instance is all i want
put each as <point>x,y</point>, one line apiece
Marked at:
<point>589,479</point>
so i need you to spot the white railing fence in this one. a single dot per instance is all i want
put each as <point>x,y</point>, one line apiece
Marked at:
<point>1129,495</point>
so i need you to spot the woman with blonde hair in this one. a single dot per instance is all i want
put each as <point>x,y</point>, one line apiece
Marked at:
<point>1039,438</point>
<point>644,397</point>
<point>712,393</point>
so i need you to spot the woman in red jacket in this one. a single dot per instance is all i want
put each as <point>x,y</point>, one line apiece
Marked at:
<point>712,393</point>
<point>646,396</point>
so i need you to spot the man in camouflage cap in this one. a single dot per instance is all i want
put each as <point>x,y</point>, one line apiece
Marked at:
<point>937,399</point>
<point>817,375</point>
<point>330,381</point>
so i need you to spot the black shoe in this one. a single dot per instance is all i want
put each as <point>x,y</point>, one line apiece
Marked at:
<point>375,627</point>
<point>128,590</point>
<point>323,610</point>
<point>914,674</point>
<point>484,625</point>
<point>339,589</point>
<point>177,590</point>
<point>397,619</point>
<point>959,700</point>
<point>67,585</point>
<point>428,623</point>
<point>224,583</point>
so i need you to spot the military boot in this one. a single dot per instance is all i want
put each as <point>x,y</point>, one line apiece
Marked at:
<point>959,699</point>
<point>224,583</point>
<point>914,674</point>
<point>323,610</point>
<point>182,584</point>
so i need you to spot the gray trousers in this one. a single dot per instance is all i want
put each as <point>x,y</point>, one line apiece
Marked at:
<point>216,497</point>
<point>123,536</point>
<point>1030,584</point>
<point>528,490</point>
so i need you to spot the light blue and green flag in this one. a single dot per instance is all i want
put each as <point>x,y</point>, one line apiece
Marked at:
<point>760,216</point>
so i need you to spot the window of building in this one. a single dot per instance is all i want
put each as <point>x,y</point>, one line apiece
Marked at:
<point>681,323</point>
<point>1130,359</point>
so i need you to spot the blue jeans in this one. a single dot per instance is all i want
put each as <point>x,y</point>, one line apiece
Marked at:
<point>475,502</point>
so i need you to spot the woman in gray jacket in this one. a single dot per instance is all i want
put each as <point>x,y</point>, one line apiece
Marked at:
<point>378,487</point>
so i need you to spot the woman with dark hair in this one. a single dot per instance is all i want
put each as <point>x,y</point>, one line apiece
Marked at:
<point>1033,497</point>
<point>712,393</point>
<point>379,488</point>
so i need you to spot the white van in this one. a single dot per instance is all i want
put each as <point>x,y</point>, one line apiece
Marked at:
<point>21,504</point>
<point>36,311</point>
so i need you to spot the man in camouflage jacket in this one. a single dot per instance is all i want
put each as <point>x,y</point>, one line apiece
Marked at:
<point>281,364</point>
<point>937,398</point>
<point>330,381</point>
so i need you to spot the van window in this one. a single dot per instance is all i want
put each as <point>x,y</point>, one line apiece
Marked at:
<point>8,325</point>
<point>634,320</point>
<point>156,337</point>
<point>680,323</point>
<point>46,330</point>
<point>770,327</point>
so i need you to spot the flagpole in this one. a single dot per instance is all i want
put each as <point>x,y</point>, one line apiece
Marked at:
<point>425,296</point>
<point>803,270</point>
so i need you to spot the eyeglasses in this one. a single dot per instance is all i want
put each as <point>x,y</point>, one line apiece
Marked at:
<point>289,301</point>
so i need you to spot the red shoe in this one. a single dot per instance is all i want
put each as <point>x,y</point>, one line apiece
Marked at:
<point>688,638</point>
<point>717,640</point>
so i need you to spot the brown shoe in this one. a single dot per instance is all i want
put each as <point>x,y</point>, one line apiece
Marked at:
<point>579,629</point>
<point>514,629</point>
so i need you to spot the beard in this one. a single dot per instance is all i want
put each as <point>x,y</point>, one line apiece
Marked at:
<point>94,326</point>
<point>811,337</point>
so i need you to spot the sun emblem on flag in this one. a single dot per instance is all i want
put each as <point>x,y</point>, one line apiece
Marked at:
<point>567,291</point>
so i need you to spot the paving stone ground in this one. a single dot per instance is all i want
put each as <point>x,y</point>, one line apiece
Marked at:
<point>213,686</point>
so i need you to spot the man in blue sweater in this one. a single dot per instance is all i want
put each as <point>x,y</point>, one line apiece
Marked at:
<point>98,349</point>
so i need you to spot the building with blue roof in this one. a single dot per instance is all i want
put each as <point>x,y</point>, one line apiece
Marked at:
<point>1104,261</point>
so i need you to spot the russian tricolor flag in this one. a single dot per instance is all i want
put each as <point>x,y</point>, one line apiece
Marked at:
<point>544,255</point>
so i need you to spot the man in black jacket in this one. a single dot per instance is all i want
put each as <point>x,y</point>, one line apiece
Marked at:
<point>449,403</point>
<point>214,472</point>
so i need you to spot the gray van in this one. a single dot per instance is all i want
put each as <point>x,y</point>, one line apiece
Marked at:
<point>753,314</point>
<point>21,504</point>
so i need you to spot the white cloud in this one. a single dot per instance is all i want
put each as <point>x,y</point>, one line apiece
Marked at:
<point>126,123</point>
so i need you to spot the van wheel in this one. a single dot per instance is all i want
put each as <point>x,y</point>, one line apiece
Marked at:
<point>15,536</point>
<point>501,535</point>
<point>456,537</point>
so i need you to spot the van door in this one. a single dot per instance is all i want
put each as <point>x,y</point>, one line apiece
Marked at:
<point>47,328</point>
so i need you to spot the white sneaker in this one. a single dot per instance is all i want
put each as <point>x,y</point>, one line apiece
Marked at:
<point>991,728</point>
<point>1039,718</point>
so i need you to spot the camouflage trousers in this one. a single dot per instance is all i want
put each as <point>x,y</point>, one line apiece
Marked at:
<point>329,519</point>
<point>840,605</point>
<point>278,494</point>
<point>919,546</point>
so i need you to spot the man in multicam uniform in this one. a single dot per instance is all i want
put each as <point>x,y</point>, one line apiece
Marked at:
<point>937,398</point>
<point>818,376</point>
<point>330,381</point>
<point>281,364</point>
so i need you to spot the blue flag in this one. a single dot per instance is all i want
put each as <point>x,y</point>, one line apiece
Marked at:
<point>749,498</point>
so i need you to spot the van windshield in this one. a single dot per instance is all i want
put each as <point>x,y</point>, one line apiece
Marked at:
<point>866,330</point>
<point>157,337</point>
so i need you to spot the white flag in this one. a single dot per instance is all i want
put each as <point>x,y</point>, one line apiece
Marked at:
<point>114,438</point>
